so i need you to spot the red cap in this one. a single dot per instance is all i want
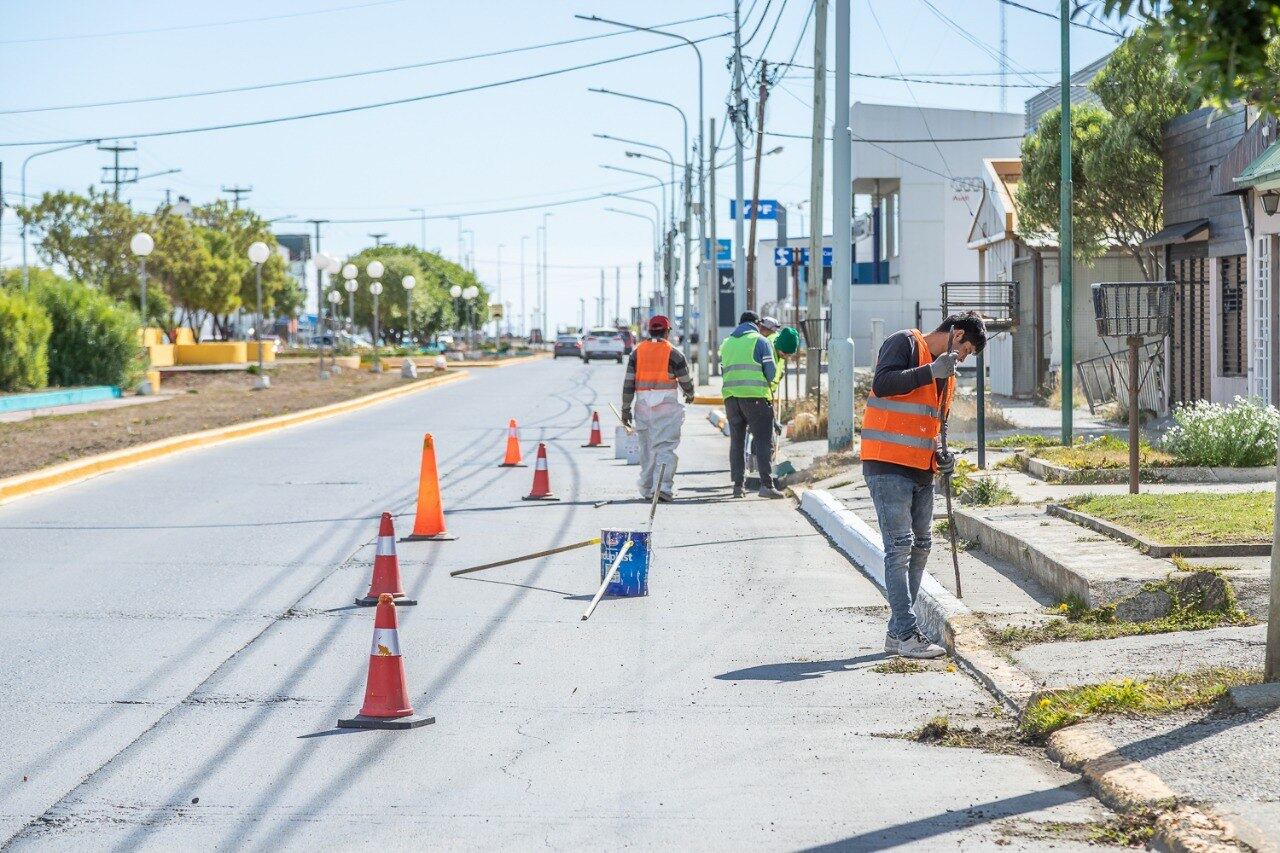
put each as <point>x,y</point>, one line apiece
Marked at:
<point>659,323</point>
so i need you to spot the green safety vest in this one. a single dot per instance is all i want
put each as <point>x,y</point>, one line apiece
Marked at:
<point>743,375</point>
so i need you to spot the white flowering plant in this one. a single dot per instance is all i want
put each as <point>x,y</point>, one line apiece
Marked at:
<point>1239,435</point>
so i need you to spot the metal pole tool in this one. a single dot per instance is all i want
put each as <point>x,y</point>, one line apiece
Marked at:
<point>951,519</point>
<point>622,552</point>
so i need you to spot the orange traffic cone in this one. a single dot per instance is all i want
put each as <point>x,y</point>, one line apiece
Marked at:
<point>386,695</point>
<point>541,479</point>
<point>596,440</point>
<point>386,568</point>
<point>429,522</point>
<point>512,459</point>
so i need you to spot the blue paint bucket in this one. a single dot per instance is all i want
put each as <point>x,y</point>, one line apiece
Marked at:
<point>633,573</point>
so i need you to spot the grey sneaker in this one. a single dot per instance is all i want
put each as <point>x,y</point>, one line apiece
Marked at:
<point>917,646</point>
<point>891,644</point>
<point>770,492</point>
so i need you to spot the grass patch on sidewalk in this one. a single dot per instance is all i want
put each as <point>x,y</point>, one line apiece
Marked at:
<point>1149,697</point>
<point>1186,518</point>
<point>1104,452</point>
<point>1028,441</point>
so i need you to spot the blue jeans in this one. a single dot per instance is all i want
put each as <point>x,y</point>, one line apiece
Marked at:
<point>905,512</point>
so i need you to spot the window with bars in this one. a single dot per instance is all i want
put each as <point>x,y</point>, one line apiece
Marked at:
<point>1232,280</point>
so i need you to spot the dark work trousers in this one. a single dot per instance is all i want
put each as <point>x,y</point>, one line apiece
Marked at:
<point>754,414</point>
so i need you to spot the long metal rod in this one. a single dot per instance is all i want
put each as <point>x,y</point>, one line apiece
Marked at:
<point>1065,250</point>
<point>560,550</point>
<point>608,579</point>
<point>840,348</point>
<point>951,518</point>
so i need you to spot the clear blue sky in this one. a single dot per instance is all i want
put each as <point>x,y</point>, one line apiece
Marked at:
<point>510,146</point>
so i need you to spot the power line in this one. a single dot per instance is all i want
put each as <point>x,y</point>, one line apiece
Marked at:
<point>363,107</point>
<point>343,76</point>
<point>45,39</point>
<point>980,44</point>
<point>900,141</point>
<point>1111,31</point>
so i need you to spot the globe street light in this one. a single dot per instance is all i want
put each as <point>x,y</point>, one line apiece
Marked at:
<point>323,264</point>
<point>376,288</point>
<point>258,254</point>
<point>334,299</point>
<point>142,245</point>
<point>375,269</point>
<point>470,293</point>
<point>408,370</point>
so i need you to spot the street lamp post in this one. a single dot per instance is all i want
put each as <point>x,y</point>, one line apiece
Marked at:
<point>258,254</point>
<point>523,316</point>
<point>334,299</point>
<point>469,295</point>
<point>547,333</point>
<point>376,288</point>
<point>497,322</point>
<point>26,274</point>
<point>349,274</point>
<point>142,245</point>
<point>456,292</point>
<point>408,370</point>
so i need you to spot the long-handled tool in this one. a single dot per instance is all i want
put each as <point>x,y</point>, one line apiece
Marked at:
<point>619,417</point>
<point>583,544</point>
<point>622,552</point>
<point>951,519</point>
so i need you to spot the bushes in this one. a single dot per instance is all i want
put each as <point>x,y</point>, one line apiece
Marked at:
<point>94,339</point>
<point>24,343</point>
<point>1241,435</point>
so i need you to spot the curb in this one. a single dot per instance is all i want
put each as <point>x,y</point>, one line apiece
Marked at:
<point>942,616</point>
<point>1120,783</point>
<point>708,400</point>
<point>45,479</point>
<point>508,362</point>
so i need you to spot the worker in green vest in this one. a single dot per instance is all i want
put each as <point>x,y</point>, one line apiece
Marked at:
<point>748,369</point>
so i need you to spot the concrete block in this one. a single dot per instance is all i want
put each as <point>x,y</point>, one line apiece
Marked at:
<point>1256,697</point>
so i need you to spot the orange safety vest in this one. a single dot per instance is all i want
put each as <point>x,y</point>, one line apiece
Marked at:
<point>904,429</point>
<point>653,359</point>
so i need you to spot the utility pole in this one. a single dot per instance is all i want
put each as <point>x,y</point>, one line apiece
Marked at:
<point>840,378</point>
<point>739,113</point>
<point>600,306</point>
<point>813,289</point>
<point>1065,259</point>
<point>1004,60</point>
<point>582,314</point>
<point>713,292</point>
<point>617,295</point>
<point>524,328</point>
<point>548,332</point>
<point>236,192</point>
<point>640,293</point>
<point>539,308</point>
<point>686,309</point>
<point>378,238</point>
<point>755,188</point>
<point>319,294</point>
<point>119,174</point>
<point>500,246</point>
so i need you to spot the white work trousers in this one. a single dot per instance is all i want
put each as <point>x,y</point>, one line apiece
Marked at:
<point>659,416</point>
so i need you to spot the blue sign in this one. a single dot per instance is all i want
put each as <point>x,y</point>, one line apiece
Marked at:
<point>784,256</point>
<point>766,208</point>
<point>724,253</point>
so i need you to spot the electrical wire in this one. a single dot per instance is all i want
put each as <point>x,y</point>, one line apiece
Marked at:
<point>46,39</point>
<point>480,87</point>
<point>942,140</point>
<point>343,76</point>
<point>983,46</point>
<point>1110,31</point>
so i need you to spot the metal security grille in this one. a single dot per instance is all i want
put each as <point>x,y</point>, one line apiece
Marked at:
<point>1232,280</point>
<point>1189,342</point>
<point>1260,378</point>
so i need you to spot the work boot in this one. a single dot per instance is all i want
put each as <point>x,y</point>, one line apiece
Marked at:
<point>770,492</point>
<point>665,497</point>
<point>737,490</point>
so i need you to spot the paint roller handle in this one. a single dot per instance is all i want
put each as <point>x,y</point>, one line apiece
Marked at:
<point>537,554</point>
<point>608,579</point>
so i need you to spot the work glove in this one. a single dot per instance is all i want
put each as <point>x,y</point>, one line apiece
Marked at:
<point>688,398</point>
<point>946,462</point>
<point>627,420</point>
<point>944,365</point>
<point>777,427</point>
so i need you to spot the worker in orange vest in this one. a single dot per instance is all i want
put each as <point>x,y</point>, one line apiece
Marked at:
<point>901,453</point>
<point>656,374</point>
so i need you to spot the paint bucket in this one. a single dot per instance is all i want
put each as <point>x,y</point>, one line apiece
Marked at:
<point>620,437</point>
<point>632,449</point>
<point>632,578</point>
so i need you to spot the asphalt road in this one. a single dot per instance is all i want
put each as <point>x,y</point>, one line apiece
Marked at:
<point>176,646</point>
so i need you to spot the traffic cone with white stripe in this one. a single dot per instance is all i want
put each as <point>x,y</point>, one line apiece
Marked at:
<point>512,459</point>
<point>596,439</point>
<point>541,479</point>
<point>386,568</point>
<point>386,695</point>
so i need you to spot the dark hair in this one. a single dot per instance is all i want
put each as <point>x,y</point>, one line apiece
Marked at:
<point>970,322</point>
<point>749,317</point>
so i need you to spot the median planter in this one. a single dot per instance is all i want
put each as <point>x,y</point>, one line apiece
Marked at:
<point>1052,472</point>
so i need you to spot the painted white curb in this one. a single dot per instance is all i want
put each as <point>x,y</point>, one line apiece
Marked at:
<point>934,605</point>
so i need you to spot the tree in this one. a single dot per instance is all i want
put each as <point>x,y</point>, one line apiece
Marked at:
<point>1116,156</point>
<point>1228,50</point>
<point>433,308</point>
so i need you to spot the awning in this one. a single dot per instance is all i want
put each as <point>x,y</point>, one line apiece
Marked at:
<point>1178,232</point>
<point>1265,167</point>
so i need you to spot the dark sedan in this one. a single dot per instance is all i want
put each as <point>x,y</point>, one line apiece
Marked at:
<point>567,345</point>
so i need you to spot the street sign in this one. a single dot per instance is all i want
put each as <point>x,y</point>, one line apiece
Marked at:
<point>767,208</point>
<point>784,256</point>
<point>495,311</point>
<point>724,253</point>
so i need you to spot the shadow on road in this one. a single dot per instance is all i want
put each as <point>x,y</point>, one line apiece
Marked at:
<point>805,670</point>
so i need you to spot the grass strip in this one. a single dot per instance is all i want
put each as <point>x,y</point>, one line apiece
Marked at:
<point>1186,518</point>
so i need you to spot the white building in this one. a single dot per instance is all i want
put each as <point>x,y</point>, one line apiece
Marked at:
<point>923,170</point>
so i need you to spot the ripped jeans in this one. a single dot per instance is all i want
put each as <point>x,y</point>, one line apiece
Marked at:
<point>905,512</point>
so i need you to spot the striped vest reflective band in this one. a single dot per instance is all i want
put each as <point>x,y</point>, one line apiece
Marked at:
<point>653,366</point>
<point>903,429</point>
<point>743,375</point>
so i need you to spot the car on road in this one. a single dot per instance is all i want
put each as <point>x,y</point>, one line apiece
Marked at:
<point>603,343</point>
<point>567,345</point>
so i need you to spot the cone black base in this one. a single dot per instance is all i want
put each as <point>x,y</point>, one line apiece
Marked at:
<point>595,445</point>
<point>436,537</point>
<point>372,601</point>
<point>360,721</point>
<point>513,465</point>
<point>541,498</point>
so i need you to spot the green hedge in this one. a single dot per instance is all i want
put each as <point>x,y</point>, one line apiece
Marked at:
<point>94,339</point>
<point>24,343</point>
